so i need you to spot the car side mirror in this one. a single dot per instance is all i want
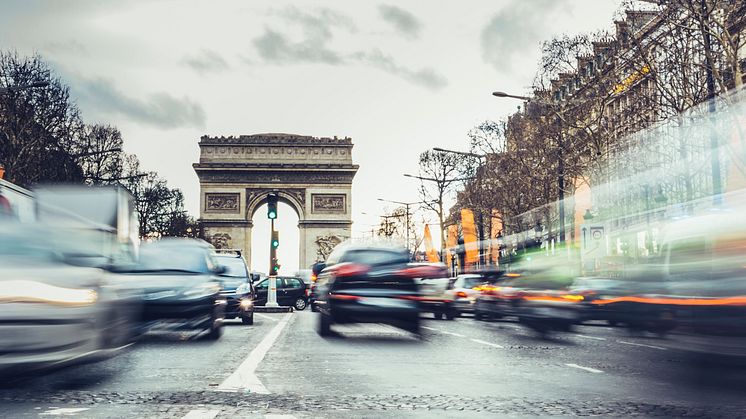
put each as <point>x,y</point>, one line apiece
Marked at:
<point>220,269</point>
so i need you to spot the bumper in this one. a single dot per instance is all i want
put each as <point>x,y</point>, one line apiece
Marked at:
<point>234,307</point>
<point>354,312</point>
<point>464,305</point>
<point>183,315</point>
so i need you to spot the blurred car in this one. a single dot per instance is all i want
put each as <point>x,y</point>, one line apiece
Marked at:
<point>291,292</point>
<point>237,289</point>
<point>370,284</point>
<point>316,269</point>
<point>182,291</point>
<point>463,292</point>
<point>435,299</point>
<point>306,275</point>
<point>598,288</point>
<point>52,312</point>
<point>695,292</point>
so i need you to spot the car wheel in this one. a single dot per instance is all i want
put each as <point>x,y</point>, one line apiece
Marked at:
<point>478,315</point>
<point>216,327</point>
<point>313,308</point>
<point>248,318</point>
<point>438,316</point>
<point>450,314</point>
<point>300,304</point>
<point>325,325</point>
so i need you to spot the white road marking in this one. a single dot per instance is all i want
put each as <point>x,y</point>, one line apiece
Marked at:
<point>244,378</point>
<point>641,344</point>
<point>590,337</point>
<point>487,343</point>
<point>264,316</point>
<point>429,328</point>
<point>452,334</point>
<point>64,411</point>
<point>584,368</point>
<point>201,414</point>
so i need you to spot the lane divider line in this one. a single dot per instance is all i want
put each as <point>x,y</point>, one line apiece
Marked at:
<point>488,343</point>
<point>264,316</point>
<point>429,328</point>
<point>589,369</point>
<point>642,344</point>
<point>452,334</point>
<point>201,414</point>
<point>64,411</point>
<point>244,377</point>
<point>590,337</point>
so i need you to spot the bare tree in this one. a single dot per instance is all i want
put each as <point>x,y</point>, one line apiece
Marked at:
<point>439,173</point>
<point>37,126</point>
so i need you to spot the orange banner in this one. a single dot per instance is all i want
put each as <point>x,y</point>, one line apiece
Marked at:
<point>497,226</point>
<point>432,254</point>
<point>470,237</point>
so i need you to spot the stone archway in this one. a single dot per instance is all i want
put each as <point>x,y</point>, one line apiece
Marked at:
<point>312,175</point>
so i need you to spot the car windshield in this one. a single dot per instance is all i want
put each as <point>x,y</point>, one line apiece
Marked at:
<point>374,257</point>
<point>235,266</point>
<point>169,258</point>
<point>472,281</point>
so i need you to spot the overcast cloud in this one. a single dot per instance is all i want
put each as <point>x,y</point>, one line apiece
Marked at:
<point>159,109</point>
<point>206,61</point>
<point>403,21</point>
<point>318,32</point>
<point>517,28</point>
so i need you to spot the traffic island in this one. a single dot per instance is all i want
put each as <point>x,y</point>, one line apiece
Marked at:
<point>278,309</point>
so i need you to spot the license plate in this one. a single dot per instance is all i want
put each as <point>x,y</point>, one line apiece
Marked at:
<point>382,302</point>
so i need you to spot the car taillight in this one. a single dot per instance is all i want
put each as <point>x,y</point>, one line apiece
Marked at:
<point>461,294</point>
<point>308,292</point>
<point>344,297</point>
<point>425,271</point>
<point>351,269</point>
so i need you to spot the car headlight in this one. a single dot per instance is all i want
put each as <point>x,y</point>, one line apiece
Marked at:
<point>202,290</point>
<point>25,291</point>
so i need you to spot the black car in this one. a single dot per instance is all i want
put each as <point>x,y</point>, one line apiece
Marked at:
<point>237,289</point>
<point>370,284</point>
<point>291,291</point>
<point>180,285</point>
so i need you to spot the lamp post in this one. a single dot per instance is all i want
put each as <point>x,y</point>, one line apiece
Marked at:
<point>560,159</point>
<point>478,178</point>
<point>442,185</point>
<point>406,205</point>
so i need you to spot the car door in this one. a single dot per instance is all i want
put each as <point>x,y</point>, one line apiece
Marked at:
<point>292,289</point>
<point>261,290</point>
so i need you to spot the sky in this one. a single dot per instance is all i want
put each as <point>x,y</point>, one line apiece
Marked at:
<point>398,77</point>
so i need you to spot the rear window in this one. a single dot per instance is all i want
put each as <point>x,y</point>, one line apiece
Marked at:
<point>374,257</point>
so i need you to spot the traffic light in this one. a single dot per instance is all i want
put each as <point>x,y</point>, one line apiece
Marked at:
<point>275,269</point>
<point>272,206</point>
<point>275,239</point>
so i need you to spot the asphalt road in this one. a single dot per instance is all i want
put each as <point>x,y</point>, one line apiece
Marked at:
<point>280,368</point>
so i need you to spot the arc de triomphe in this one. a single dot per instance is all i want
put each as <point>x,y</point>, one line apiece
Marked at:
<point>312,175</point>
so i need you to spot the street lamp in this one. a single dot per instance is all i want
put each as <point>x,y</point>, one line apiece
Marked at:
<point>463,153</point>
<point>560,162</point>
<point>503,94</point>
<point>406,205</point>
